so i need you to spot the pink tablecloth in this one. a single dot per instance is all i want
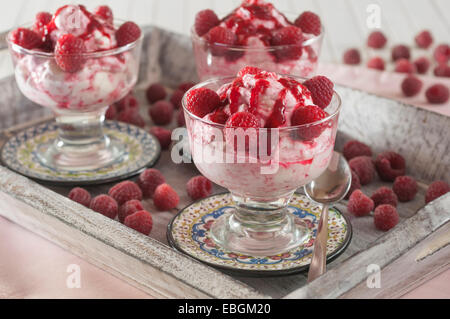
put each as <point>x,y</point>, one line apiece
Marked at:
<point>32,267</point>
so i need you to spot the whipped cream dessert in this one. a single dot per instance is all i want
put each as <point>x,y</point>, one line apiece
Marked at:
<point>283,110</point>
<point>258,34</point>
<point>73,60</point>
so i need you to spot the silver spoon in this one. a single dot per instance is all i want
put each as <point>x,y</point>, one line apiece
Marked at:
<point>328,188</point>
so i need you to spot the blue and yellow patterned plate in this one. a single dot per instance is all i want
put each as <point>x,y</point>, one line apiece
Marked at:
<point>19,154</point>
<point>189,233</point>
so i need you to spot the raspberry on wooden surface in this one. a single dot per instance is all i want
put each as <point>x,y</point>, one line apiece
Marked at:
<point>199,187</point>
<point>155,92</point>
<point>148,181</point>
<point>80,195</point>
<point>411,85</point>
<point>161,112</point>
<point>437,94</point>
<point>436,190</point>
<point>364,168</point>
<point>389,165</point>
<point>129,208</point>
<point>125,191</point>
<point>355,148</point>
<point>384,195</point>
<point>165,197</point>
<point>385,217</point>
<point>140,221</point>
<point>105,205</point>
<point>405,187</point>
<point>163,135</point>
<point>359,204</point>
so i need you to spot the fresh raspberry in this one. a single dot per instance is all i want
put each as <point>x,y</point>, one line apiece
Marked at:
<point>164,136</point>
<point>291,39</point>
<point>384,195</point>
<point>140,221</point>
<point>359,204</point>
<point>131,116</point>
<point>41,21</point>
<point>321,89</point>
<point>25,38</point>
<point>127,33</point>
<point>219,38</point>
<point>248,70</point>
<point>181,121</point>
<point>422,65</point>
<point>435,190</point>
<point>352,57</point>
<point>128,208</point>
<point>111,112</point>
<point>156,92</point>
<point>176,98</point>
<point>437,94</point>
<point>411,85</point>
<point>201,101</point>
<point>104,205</point>
<point>376,40</point>
<point>376,63</point>
<point>385,217</point>
<point>127,102</point>
<point>364,168</point>
<point>405,187</point>
<point>309,22</point>
<point>149,180</point>
<point>442,70</point>
<point>80,195</point>
<point>442,53</point>
<point>165,197</point>
<point>69,53</point>
<point>400,52</point>
<point>243,119</point>
<point>185,86</point>
<point>205,20</point>
<point>356,148</point>
<point>424,39</point>
<point>218,116</point>
<point>404,66</point>
<point>125,191</point>
<point>390,165</point>
<point>161,112</point>
<point>105,13</point>
<point>356,184</point>
<point>306,115</point>
<point>199,187</point>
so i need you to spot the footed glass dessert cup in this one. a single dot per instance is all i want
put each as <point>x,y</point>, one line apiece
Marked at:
<point>262,168</point>
<point>79,101</point>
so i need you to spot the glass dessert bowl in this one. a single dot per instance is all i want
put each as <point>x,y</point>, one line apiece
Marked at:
<point>257,34</point>
<point>258,150</point>
<point>77,70</point>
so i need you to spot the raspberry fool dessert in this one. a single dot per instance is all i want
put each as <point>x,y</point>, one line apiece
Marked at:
<point>77,63</point>
<point>256,33</point>
<point>261,135</point>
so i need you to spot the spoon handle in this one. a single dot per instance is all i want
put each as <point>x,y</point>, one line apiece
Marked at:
<point>319,260</point>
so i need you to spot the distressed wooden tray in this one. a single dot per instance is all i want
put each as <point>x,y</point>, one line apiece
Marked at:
<point>413,251</point>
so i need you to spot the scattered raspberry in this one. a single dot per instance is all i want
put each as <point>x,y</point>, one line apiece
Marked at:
<point>243,119</point>
<point>155,92</point>
<point>405,187</point>
<point>424,39</point>
<point>176,98</point>
<point>411,85</point>
<point>309,22</point>
<point>248,70</point>
<point>205,20</point>
<point>80,195</point>
<point>165,197</point>
<point>376,40</point>
<point>69,53</point>
<point>164,136</point>
<point>127,102</point>
<point>128,208</point>
<point>140,221</point>
<point>181,121</point>
<point>111,112</point>
<point>404,66</point>
<point>128,33</point>
<point>400,52</point>
<point>437,94</point>
<point>218,116</point>
<point>104,205</point>
<point>364,168</point>
<point>199,187</point>
<point>186,86</point>
<point>435,190</point>
<point>201,101</point>
<point>161,113</point>
<point>352,57</point>
<point>131,116</point>
<point>422,65</point>
<point>356,184</point>
<point>359,204</point>
<point>356,148</point>
<point>221,36</point>
<point>125,191</point>
<point>376,63</point>
<point>385,217</point>
<point>25,38</point>
<point>149,180</point>
<point>390,165</point>
<point>384,195</point>
<point>291,39</point>
<point>105,13</point>
<point>306,115</point>
<point>321,89</point>
<point>442,53</point>
<point>442,70</point>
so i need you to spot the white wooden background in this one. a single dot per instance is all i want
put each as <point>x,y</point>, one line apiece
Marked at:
<point>344,20</point>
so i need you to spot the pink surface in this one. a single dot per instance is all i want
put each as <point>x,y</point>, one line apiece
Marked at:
<point>32,267</point>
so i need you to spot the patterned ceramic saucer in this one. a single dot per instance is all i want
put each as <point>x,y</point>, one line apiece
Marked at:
<point>189,233</point>
<point>19,154</point>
